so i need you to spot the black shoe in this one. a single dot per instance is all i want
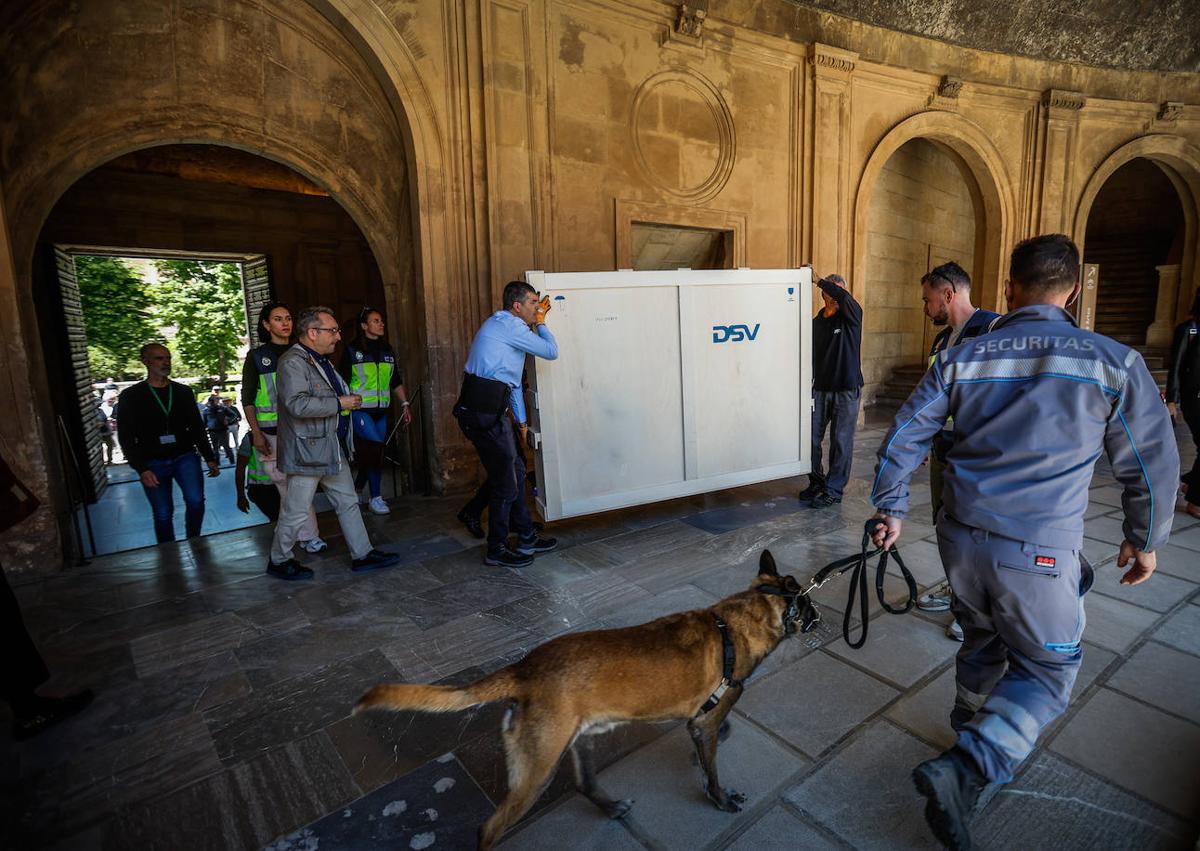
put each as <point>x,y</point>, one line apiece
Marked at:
<point>374,560</point>
<point>289,570</point>
<point>537,545</point>
<point>952,784</point>
<point>45,712</point>
<point>507,558</point>
<point>824,500</point>
<point>472,524</point>
<point>810,492</point>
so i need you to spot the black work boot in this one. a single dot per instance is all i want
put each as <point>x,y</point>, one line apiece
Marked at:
<point>952,784</point>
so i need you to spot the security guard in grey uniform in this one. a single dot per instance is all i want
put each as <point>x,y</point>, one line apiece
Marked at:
<point>1034,402</point>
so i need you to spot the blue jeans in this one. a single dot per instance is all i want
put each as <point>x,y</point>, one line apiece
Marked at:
<point>837,410</point>
<point>185,471</point>
<point>370,427</point>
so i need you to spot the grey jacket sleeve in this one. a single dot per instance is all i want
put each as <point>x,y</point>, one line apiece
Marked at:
<point>1141,447</point>
<point>295,394</point>
<point>907,444</point>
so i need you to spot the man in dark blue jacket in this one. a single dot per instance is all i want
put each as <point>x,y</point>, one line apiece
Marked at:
<point>1035,402</point>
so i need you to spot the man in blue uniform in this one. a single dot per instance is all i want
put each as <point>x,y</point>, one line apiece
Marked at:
<point>491,389</point>
<point>1035,402</point>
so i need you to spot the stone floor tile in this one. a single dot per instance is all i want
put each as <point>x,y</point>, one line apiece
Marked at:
<point>244,806</point>
<point>681,599</point>
<point>602,595</point>
<point>1157,674</point>
<point>900,648</point>
<point>1053,804</point>
<point>121,627</point>
<point>1182,630</point>
<point>669,802</point>
<point>780,830</point>
<point>161,758</point>
<point>797,646</point>
<point>864,794</point>
<point>469,641</point>
<point>190,643</point>
<point>1115,624</point>
<point>926,711</point>
<point>445,603</point>
<point>542,614</point>
<point>290,709</point>
<point>1188,538</point>
<point>1106,528</point>
<point>644,543</point>
<point>1099,553</point>
<point>1137,748</point>
<point>576,823</point>
<point>1178,561</point>
<point>1105,495</point>
<point>719,520</point>
<point>676,567</point>
<point>1160,592</point>
<point>551,570</point>
<point>813,703</point>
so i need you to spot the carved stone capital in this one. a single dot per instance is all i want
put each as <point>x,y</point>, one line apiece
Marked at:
<point>1063,99</point>
<point>1170,111</point>
<point>689,24</point>
<point>950,86</point>
<point>826,58</point>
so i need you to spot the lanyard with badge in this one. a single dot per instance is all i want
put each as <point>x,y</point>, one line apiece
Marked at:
<point>165,439</point>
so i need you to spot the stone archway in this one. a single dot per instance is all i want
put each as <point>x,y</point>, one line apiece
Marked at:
<point>1180,161</point>
<point>959,176</point>
<point>295,83</point>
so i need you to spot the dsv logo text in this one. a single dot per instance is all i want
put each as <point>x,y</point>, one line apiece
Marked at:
<point>734,333</point>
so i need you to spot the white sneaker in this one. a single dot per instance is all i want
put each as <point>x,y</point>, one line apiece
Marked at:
<point>378,506</point>
<point>954,631</point>
<point>313,545</point>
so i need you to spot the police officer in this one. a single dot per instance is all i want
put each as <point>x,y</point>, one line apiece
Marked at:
<point>491,393</point>
<point>260,404</point>
<point>369,366</point>
<point>946,295</point>
<point>1034,402</point>
<point>1183,394</point>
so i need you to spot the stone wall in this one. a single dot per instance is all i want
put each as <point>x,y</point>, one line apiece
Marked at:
<point>922,214</point>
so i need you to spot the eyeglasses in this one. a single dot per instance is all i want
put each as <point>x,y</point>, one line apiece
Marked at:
<point>334,330</point>
<point>941,277</point>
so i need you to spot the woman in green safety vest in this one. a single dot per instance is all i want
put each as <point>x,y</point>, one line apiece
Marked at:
<point>369,366</point>
<point>260,404</point>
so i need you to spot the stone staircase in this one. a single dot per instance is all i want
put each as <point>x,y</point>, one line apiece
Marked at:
<point>903,380</point>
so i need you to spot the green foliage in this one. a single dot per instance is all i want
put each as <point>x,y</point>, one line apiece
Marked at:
<point>204,303</point>
<point>117,312</point>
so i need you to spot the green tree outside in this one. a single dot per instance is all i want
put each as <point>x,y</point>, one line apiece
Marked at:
<point>118,315</point>
<point>204,302</point>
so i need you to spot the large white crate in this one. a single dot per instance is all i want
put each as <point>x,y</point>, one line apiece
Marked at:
<point>669,384</point>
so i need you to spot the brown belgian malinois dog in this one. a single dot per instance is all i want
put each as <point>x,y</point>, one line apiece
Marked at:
<point>679,666</point>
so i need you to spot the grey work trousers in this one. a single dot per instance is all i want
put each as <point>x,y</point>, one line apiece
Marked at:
<point>1020,606</point>
<point>293,514</point>
<point>839,411</point>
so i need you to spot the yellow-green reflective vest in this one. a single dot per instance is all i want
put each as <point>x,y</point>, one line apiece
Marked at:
<point>371,375</point>
<point>266,399</point>
<point>254,469</point>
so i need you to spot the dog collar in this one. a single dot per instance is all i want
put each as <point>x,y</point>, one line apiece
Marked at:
<point>728,660</point>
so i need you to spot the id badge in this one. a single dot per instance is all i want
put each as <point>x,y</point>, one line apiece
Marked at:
<point>166,439</point>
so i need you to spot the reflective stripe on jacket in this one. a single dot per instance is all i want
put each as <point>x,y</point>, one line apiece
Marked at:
<point>266,399</point>
<point>371,374</point>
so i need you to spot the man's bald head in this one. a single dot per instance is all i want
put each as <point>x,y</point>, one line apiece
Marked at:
<point>153,350</point>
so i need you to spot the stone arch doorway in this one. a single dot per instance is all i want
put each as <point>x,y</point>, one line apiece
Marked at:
<point>306,85</point>
<point>1138,219</point>
<point>933,190</point>
<point>195,202</point>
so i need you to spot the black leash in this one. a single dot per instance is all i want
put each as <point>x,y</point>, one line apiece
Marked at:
<point>858,582</point>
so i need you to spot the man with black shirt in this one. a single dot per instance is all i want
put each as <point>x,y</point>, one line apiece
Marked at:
<point>837,390</point>
<point>160,431</point>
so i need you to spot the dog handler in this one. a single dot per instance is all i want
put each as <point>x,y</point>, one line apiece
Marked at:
<point>1034,403</point>
<point>491,389</point>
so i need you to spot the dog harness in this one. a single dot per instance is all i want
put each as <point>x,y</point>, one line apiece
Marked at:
<point>728,659</point>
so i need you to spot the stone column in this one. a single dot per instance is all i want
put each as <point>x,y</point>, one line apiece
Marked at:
<point>1057,150</point>
<point>1159,332</point>
<point>832,218</point>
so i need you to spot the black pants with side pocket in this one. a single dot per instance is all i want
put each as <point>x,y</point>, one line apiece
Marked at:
<point>492,437</point>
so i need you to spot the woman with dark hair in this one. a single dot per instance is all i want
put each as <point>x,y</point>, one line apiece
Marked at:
<point>1183,394</point>
<point>369,366</point>
<point>260,404</point>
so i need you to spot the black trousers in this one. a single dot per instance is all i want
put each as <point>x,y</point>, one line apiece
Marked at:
<point>1191,416</point>
<point>492,436</point>
<point>24,669</point>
